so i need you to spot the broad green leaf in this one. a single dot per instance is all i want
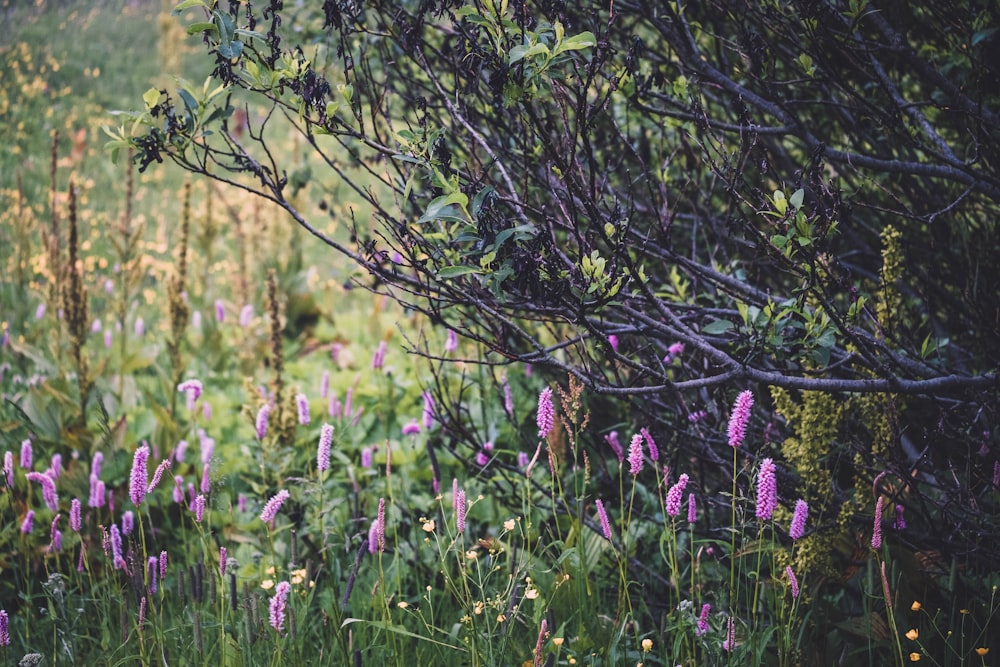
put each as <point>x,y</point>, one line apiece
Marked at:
<point>202,26</point>
<point>717,327</point>
<point>584,40</point>
<point>796,199</point>
<point>456,271</point>
<point>524,51</point>
<point>188,4</point>
<point>780,203</point>
<point>435,210</point>
<point>151,97</point>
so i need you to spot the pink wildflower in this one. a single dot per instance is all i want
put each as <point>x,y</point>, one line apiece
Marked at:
<point>75,520</point>
<point>602,515</point>
<point>767,490</point>
<point>674,495</point>
<point>411,427</point>
<point>277,606</point>
<point>612,439</point>
<point>260,423</point>
<point>798,527</point>
<point>451,341</point>
<point>138,477</point>
<point>654,451</point>
<point>48,489</point>
<point>428,413</point>
<point>460,510</point>
<point>378,359</point>
<point>323,449</point>
<point>692,508</point>
<point>703,619</point>
<point>546,413</point>
<point>635,454</point>
<point>877,526</point>
<point>26,454</point>
<point>272,506</point>
<point>793,582</point>
<point>302,406</point>
<point>158,475</point>
<point>739,418</point>
<point>199,508</point>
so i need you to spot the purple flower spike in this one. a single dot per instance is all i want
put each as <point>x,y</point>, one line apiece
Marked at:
<point>674,495</point>
<point>48,489</point>
<point>612,439</point>
<point>138,477</point>
<point>460,510</point>
<point>28,524</point>
<point>75,520</point>
<point>158,475</point>
<point>767,490</point>
<point>260,423</point>
<point>635,454</point>
<point>692,508</point>
<point>323,449</point>
<point>277,606</point>
<point>793,582</point>
<point>602,515</point>
<point>192,390</point>
<point>739,418</point>
<point>199,508</point>
<point>654,451</point>
<point>877,526</point>
<point>272,506</point>
<point>428,414</point>
<point>26,454</point>
<point>546,413</point>
<point>451,341</point>
<point>380,522</point>
<point>798,527</point>
<point>703,619</point>
<point>302,405</point>
<point>378,359</point>
<point>411,427</point>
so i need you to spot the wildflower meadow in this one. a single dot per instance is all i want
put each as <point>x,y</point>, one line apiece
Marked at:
<point>224,444</point>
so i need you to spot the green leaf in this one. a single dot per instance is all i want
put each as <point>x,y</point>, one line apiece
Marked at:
<point>202,26</point>
<point>524,51</point>
<point>456,271</point>
<point>796,199</point>
<point>188,4</point>
<point>584,40</point>
<point>151,97</point>
<point>436,210</point>
<point>780,203</point>
<point>717,327</point>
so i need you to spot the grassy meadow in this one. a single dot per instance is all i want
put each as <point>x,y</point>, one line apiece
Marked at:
<point>220,449</point>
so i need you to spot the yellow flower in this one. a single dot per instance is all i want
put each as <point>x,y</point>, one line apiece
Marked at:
<point>914,657</point>
<point>471,554</point>
<point>429,526</point>
<point>402,604</point>
<point>915,606</point>
<point>531,593</point>
<point>982,650</point>
<point>647,645</point>
<point>508,525</point>
<point>912,634</point>
<point>267,584</point>
<point>298,576</point>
